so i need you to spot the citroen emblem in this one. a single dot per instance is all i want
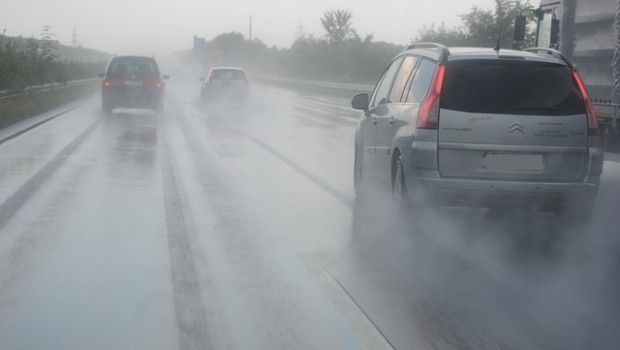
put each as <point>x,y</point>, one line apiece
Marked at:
<point>517,127</point>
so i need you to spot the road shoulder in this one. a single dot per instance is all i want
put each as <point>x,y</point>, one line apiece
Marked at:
<point>612,157</point>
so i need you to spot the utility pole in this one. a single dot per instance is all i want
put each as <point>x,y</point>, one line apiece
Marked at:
<point>250,27</point>
<point>74,36</point>
<point>300,31</point>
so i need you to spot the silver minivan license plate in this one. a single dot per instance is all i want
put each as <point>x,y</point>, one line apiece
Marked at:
<point>513,163</point>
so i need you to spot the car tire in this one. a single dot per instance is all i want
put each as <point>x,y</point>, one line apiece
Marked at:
<point>204,99</point>
<point>106,107</point>
<point>399,187</point>
<point>159,107</point>
<point>580,215</point>
<point>358,176</point>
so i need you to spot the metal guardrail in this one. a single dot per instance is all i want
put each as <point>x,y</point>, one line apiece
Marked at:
<point>319,85</point>
<point>16,93</point>
<point>354,88</point>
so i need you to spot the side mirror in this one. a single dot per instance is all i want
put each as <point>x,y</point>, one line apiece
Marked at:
<point>101,75</point>
<point>166,77</point>
<point>360,101</point>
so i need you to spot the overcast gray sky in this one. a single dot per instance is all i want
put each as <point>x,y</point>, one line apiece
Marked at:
<point>158,26</point>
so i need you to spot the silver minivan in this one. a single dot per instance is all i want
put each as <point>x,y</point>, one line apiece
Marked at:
<point>480,127</point>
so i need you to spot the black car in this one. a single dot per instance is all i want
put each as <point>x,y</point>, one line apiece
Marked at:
<point>132,82</point>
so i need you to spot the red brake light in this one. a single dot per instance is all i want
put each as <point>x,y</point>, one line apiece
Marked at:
<point>154,84</point>
<point>592,122</point>
<point>107,83</point>
<point>429,109</point>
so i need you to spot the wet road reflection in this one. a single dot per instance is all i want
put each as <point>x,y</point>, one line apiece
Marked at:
<point>227,226</point>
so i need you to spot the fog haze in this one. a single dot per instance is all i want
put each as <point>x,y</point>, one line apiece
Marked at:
<point>157,27</point>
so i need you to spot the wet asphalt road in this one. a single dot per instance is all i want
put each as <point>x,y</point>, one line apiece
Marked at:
<point>227,227</point>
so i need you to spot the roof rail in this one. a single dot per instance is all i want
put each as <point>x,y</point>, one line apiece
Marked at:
<point>551,52</point>
<point>443,51</point>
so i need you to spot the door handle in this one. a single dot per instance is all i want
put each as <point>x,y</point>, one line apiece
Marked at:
<point>392,120</point>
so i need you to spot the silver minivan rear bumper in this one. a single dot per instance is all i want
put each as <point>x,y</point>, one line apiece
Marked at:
<point>488,193</point>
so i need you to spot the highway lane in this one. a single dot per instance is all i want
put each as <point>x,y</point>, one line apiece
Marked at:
<point>236,227</point>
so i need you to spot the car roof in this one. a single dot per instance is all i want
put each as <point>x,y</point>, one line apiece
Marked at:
<point>133,57</point>
<point>487,53</point>
<point>462,53</point>
<point>228,68</point>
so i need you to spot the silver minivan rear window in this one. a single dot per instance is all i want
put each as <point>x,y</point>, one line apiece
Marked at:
<point>511,87</point>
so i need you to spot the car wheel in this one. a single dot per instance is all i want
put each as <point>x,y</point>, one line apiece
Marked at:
<point>358,176</point>
<point>580,215</point>
<point>106,108</point>
<point>159,106</point>
<point>399,187</point>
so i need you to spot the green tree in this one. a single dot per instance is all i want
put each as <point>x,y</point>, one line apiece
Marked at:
<point>47,43</point>
<point>337,24</point>
<point>24,63</point>
<point>341,55</point>
<point>228,45</point>
<point>441,34</point>
<point>480,27</point>
<point>45,70</point>
<point>233,49</point>
<point>484,27</point>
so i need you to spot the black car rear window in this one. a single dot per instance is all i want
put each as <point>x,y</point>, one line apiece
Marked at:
<point>228,74</point>
<point>133,68</point>
<point>510,87</point>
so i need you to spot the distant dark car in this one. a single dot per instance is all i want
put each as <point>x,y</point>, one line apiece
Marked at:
<point>132,82</point>
<point>226,84</point>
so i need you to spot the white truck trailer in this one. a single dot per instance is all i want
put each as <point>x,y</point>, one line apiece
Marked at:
<point>588,33</point>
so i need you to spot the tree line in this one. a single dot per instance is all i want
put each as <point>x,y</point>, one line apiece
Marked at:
<point>485,27</point>
<point>32,62</point>
<point>342,54</point>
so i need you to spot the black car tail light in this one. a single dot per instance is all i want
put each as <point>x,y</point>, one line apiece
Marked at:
<point>429,108</point>
<point>592,122</point>
<point>158,84</point>
<point>109,83</point>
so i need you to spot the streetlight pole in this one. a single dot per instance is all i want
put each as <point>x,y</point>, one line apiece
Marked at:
<point>250,27</point>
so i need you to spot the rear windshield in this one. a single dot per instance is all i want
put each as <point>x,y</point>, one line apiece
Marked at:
<point>510,87</point>
<point>133,69</point>
<point>228,74</point>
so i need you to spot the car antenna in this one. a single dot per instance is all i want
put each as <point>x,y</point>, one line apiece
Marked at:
<point>499,37</point>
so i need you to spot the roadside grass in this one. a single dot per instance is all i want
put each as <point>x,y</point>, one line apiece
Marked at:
<point>17,108</point>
